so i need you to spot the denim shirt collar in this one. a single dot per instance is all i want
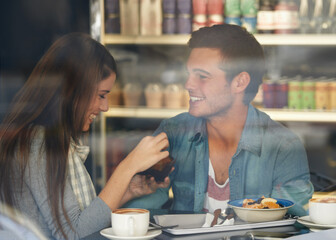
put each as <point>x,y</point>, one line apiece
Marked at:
<point>251,136</point>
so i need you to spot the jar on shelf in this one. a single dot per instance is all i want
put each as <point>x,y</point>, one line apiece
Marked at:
<point>132,94</point>
<point>173,95</point>
<point>154,95</point>
<point>114,96</point>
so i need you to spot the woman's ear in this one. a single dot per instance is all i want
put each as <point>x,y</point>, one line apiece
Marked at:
<point>240,82</point>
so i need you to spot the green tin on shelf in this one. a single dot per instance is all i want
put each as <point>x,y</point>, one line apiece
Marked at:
<point>308,94</point>
<point>295,94</point>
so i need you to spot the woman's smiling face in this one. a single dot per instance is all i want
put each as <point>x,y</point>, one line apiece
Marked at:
<point>99,102</point>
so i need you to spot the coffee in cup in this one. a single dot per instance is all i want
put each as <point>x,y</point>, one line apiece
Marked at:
<point>323,210</point>
<point>130,222</point>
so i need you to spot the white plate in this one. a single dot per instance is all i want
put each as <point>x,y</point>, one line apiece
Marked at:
<point>305,220</point>
<point>186,226</point>
<point>108,232</point>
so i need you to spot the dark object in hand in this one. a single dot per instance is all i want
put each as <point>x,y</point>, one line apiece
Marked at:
<point>160,170</point>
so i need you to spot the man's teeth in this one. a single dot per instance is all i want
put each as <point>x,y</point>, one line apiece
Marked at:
<point>92,116</point>
<point>194,99</point>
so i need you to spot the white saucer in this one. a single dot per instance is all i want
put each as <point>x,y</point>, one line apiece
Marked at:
<point>305,220</point>
<point>108,233</point>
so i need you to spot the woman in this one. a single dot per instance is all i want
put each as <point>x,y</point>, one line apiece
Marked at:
<point>42,169</point>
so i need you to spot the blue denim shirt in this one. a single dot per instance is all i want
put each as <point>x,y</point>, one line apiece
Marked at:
<point>270,161</point>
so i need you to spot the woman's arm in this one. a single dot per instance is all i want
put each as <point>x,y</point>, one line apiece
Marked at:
<point>120,188</point>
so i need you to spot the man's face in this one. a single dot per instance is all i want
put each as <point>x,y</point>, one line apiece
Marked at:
<point>210,93</point>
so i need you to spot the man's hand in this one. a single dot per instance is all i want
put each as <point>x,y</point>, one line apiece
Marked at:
<point>141,185</point>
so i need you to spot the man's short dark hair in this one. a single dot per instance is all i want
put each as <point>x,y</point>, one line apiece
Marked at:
<point>241,52</point>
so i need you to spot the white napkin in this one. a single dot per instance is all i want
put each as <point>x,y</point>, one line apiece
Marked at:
<point>209,217</point>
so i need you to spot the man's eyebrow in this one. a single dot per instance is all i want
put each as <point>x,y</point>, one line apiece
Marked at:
<point>201,70</point>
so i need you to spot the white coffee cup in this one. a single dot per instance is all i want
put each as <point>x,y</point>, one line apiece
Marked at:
<point>323,210</point>
<point>130,222</point>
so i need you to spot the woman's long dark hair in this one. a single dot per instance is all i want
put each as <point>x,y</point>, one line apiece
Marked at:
<point>55,96</point>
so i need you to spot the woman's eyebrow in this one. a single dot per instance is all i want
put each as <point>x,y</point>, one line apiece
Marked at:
<point>104,91</point>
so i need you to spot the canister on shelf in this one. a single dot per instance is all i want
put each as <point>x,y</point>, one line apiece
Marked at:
<point>215,7</point>
<point>333,95</point>
<point>281,93</point>
<point>232,8</point>
<point>169,17</point>
<point>269,93</point>
<point>199,7</point>
<point>173,95</point>
<point>249,7</point>
<point>151,17</point>
<point>322,95</point>
<point>233,20</point>
<point>129,17</point>
<point>249,23</point>
<point>308,94</point>
<point>154,95</point>
<point>132,94</point>
<point>199,21</point>
<point>215,19</point>
<point>295,94</point>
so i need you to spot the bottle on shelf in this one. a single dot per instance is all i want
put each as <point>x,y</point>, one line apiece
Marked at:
<point>330,23</point>
<point>304,17</point>
<point>317,19</point>
<point>286,15</point>
<point>265,17</point>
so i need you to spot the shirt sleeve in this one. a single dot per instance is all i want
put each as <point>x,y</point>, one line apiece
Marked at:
<point>95,217</point>
<point>292,177</point>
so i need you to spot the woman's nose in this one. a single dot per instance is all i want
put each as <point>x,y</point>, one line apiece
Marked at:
<point>104,105</point>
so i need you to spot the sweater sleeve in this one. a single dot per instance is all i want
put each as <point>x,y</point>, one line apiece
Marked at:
<point>95,217</point>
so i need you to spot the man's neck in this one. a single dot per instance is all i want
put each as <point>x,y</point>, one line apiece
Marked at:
<point>227,129</point>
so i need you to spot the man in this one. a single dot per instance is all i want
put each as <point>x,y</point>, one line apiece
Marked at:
<point>224,148</point>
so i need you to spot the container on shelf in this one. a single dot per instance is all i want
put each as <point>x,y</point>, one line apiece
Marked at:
<point>129,17</point>
<point>132,94</point>
<point>322,95</point>
<point>286,16</point>
<point>295,94</point>
<point>114,96</point>
<point>154,95</point>
<point>269,93</point>
<point>308,94</point>
<point>151,17</point>
<point>173,95</point>
<point>333,95</point>
<point>112,16</point>
<point>265,18</point>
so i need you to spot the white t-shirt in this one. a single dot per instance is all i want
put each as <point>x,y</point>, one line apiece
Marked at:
<point>217,195</point>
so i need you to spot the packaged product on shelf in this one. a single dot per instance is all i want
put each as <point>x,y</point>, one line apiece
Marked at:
<point>322,101</point>
<point>233,20</point>
<point>169,16</point>
<point>154,95</point>
<point>114,96</point>
<point>295,94</point>
<point>249,7</point>
<point>333,95</point>
<point>281,93</point>
<point>317,21</point>
<point>173,95</point>
<point>286,16</point>
<point>308,94</point>
<point>184,12</point>
<point>214,19</point>
<point>132,94</point>
<point>199,7</point>
<point>265,17</point>
<point>269,93</point>
<point>331,19</point>
<point>199,21</point>
<point>249,23</point>
<point>304,17</point>
<point>129,17</point>
<point>232,8</point>
<point>112,16</point>
<point>215,7</point>
<point>150,17</point>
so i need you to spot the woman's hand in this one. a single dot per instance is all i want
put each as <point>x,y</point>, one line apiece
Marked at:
<point>149,151</point>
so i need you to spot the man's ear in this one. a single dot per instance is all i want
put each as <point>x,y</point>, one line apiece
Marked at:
<point>240,82</point>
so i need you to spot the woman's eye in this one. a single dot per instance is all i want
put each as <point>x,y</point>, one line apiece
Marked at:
<point>102,96</point>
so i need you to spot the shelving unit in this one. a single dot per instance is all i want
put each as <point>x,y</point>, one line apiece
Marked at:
<point>281,115</point>
<point>263,39</point>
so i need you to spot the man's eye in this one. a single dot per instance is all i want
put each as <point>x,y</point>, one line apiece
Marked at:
<point>202,76</point>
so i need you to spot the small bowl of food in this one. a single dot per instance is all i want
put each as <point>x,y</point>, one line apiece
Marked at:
<point>260,209</point>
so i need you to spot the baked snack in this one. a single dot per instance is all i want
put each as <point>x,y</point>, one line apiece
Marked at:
<point>261,203</point>
<point>160,170</point>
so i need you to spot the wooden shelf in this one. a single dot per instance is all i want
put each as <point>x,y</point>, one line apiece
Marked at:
<point>275,114</point>
<point>264,39</point>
